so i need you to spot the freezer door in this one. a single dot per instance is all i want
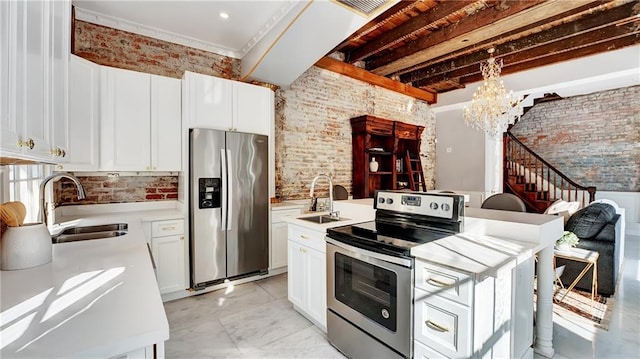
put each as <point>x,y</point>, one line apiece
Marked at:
<point>248,203</point>
<point>207,200</point>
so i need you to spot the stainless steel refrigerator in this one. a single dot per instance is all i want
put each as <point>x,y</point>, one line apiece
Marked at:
<point>229,204</point>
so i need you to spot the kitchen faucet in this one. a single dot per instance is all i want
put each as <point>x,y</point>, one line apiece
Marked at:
<point>333,214</point>
<point>42,214</point>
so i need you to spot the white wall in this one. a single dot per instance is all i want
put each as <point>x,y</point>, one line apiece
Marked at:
<point>630,201</point>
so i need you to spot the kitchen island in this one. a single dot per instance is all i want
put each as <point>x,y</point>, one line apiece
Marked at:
<point>97,298</point>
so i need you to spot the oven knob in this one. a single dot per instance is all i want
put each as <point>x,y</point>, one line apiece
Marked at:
<point>385,313</point>
<point>381,200</point>
<point>433,206</point>
<point>389,200</point>
<point>446,207</point>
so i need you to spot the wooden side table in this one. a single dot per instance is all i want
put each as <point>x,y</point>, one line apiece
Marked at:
<point>590,258</point>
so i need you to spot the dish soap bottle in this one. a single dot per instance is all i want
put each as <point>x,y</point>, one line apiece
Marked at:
<point>373,165</point>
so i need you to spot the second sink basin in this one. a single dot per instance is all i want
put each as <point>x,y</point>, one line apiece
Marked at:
<point>90,232</point>
<point>322,219</point>
<point>62,238</point>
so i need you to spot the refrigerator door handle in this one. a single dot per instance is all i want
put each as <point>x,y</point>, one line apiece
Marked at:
<point>225,180</point>
<point>229,190</point>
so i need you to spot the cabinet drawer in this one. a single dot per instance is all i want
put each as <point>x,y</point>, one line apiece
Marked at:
<point>306,237</point>
<point>442,325</point>
<point>167,228</point>
<point>406,131</point>
<point>444,282</point>
<point>278,215</point>
<point>421,351</point>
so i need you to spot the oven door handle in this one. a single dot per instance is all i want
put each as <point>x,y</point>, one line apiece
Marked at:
<point>364,252</point>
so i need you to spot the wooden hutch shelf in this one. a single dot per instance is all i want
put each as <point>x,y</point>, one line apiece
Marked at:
<point>388,142</point>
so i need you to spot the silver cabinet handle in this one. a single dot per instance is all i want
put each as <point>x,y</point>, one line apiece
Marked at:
<point>303,236</point>
<point>168,228</point>
<point>436,326</point>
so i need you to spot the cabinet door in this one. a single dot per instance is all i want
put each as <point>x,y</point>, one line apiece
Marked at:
<point>166,123</point>
<point>278,245</point>
<point>253,108</point>
<point>32,73</point>
<point>59,42</point>
<point>9,128</point>
<point>168,253</point>
<point>209,101</point>
<point>297,274</point>
<point>125,140</point>
<point>83,149</point>
<point>316,281</point>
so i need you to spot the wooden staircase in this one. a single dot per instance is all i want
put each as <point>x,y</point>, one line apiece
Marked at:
<point>414,169</point>
<point>537,182</point>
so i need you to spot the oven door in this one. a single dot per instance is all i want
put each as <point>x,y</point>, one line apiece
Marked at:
<point>372,291</point>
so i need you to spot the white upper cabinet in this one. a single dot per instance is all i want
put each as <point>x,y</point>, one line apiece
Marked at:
<point>125,120</point>
<point>35,49</point>
<point>166,121</point>
<point>213,102</point>
<point>84,111</point>
<point>139,121</point>
<point>253,108</point>
<point>60,40</point>
<point>207,101</point>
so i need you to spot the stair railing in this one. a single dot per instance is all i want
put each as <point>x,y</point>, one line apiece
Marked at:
<point>520,160</point>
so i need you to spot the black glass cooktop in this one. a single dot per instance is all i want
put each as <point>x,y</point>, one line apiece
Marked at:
<point>393,239</point>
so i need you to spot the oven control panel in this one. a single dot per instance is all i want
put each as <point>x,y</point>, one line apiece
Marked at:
<point>434,205</point>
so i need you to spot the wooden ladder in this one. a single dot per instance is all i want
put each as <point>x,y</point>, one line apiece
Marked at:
<point>414,169</point>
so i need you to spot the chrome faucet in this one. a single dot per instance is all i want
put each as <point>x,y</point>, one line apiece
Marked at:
<point>42,214</point>
<point>333,214</point>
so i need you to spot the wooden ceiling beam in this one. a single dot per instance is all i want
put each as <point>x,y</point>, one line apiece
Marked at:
<point>580,19</point>
<point>407,29</point>
<point>563,55</point>
<point>396,10</point>
<point>473,29</point>
<point>583,27</point>
<point>357,73</point>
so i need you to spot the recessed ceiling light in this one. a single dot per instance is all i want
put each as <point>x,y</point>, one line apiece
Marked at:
<point>224,15</point>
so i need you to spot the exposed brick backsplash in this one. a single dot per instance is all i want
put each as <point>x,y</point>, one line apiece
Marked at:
<point>103,189</point>
<point>594,139</point>
<point>313,132</point>
<point>126,50</point>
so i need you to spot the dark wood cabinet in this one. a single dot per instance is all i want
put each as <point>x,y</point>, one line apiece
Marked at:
<point>388,142</point>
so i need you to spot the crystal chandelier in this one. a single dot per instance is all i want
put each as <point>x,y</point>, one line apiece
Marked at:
<point>492,108</point>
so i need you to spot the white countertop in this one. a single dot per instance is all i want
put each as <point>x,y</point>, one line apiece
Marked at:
<point>97,298</point>
<point>492,239</point>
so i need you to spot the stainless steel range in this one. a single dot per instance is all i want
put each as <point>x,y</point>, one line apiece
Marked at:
<point>370,271</point>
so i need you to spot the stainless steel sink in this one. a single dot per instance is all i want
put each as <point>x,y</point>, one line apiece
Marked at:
<point>91,232</point>
<point>62,238</point>
<point>322,219</point>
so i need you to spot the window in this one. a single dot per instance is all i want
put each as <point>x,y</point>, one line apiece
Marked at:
<point>23,185</point>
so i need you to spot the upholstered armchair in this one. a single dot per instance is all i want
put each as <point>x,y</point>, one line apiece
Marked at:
<point>598,227</point>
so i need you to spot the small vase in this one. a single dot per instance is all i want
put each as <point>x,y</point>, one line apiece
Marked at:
<point>26,246</point>
<point>373,165</point>
<point>564,247</point>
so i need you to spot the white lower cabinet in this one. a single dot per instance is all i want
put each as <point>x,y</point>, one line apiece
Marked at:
<point>279,236</point>
<point>168,248</point>
<point>155,351</point>
<point>307,275</point>
<point>462,315</point>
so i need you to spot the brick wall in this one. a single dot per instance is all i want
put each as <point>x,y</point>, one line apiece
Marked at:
<point>125,50</point>
<point>594,139</point>
<point>103,189</point>
<point>313,132</point>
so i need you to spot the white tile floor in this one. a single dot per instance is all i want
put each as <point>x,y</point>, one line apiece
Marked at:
<point>255,320</point>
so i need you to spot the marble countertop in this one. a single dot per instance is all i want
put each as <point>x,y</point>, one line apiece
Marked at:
<point>97,298</point>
